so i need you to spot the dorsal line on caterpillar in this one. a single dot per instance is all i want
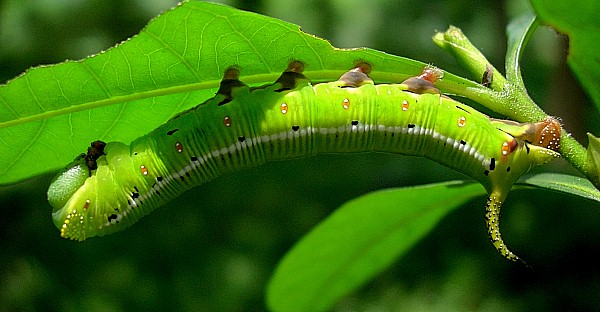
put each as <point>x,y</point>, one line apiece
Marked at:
<point>241,127</point>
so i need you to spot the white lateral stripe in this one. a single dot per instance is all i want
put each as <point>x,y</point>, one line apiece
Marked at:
<point>249,142</point>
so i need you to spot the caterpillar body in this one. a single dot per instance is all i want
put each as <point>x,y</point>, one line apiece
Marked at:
<point>114,184</point>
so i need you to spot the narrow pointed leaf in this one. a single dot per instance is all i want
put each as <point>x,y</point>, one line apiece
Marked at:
<point>358,241</point>
<point>563,183</point>
<point>518,32</point>
<point>593,160</point>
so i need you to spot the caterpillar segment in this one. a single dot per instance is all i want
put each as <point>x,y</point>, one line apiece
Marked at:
<point>114,184</point>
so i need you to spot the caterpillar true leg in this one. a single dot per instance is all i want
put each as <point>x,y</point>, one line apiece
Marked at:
<point>425,82</point>
<point>357,76</point>
<point>229,82</point>
<point>291,77</point>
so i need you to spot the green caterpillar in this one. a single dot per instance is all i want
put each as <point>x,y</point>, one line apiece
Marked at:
<point>114,184</point>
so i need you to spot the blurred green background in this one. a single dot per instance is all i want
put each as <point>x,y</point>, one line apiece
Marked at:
<point>214,248</point>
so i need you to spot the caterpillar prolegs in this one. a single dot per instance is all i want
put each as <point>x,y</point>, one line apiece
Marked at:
<point>114,184</point>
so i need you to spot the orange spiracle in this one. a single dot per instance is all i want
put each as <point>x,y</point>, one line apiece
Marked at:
<point>405,105</point>
<point>227,121</point>
<point>509,147</point>
<point>346,103</point>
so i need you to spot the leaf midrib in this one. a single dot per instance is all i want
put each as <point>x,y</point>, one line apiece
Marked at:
<point>111,101</point>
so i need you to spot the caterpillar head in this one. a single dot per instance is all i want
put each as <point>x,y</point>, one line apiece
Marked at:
<point>76,209</point>
<point>67,182</point>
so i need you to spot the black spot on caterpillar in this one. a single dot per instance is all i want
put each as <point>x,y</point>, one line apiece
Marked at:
<point>286,120</point>
<point>463,109</point>
<point>113,217</point>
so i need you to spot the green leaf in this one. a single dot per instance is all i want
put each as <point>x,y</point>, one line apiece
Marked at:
<point>563,183</point>
<point>579,20</point>
<point>358,241</point>
<point>52,113</point>
<point>593,160</point>
<point>518,32</point>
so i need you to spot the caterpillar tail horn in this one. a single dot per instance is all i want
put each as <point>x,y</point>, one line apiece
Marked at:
<point>492,220</point>
<point>545,143</point>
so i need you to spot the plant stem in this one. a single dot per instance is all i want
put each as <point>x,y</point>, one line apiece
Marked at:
<point>506,97</point>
